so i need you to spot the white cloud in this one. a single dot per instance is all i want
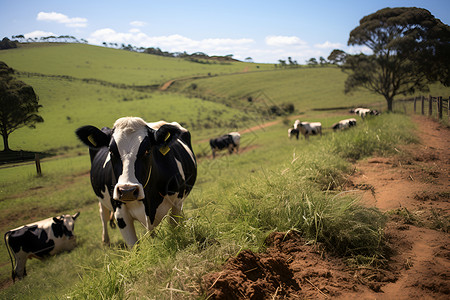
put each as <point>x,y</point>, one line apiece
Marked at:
<point>173,43</point>
<point>62,19</point>
<point>329,45</point>
<point>280,41</point>
<point>38,34</point>
<point>138,24</point>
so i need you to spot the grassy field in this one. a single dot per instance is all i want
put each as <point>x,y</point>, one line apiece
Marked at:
<point>306,88</point>
<point>274,184</point>
<point>112,65</point>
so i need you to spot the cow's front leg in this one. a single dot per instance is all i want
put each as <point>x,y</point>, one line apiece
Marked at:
<point>126,225</point>
<point>104,215</point>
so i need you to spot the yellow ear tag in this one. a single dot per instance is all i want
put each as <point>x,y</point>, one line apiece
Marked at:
<point>164,150</point>
<point>91,139</point>
<point>167,136</point>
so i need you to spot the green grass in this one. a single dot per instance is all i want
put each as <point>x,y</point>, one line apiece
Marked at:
<point>306,88</point>
<point>111,65</point>
<point>68,105</point>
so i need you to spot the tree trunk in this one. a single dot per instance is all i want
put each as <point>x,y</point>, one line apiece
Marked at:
<point>5,142</point>
<point>390,102</point>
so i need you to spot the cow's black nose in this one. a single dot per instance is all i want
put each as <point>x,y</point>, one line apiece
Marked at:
<point>128,193</point>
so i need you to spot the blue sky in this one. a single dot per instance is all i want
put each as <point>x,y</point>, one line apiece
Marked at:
<point>265,30</point>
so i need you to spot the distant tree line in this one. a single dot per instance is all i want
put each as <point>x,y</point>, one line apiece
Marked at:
<point>310,62</point>
<point>49,39</point>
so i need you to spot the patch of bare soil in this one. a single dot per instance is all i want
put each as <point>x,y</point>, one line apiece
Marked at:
<point>413,188</point>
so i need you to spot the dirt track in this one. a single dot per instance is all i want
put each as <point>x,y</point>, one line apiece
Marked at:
<point>415,187</point>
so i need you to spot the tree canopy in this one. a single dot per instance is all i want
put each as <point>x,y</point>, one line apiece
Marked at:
<point>411,48</point>
<point>19,104</point>
<point>337,57</point>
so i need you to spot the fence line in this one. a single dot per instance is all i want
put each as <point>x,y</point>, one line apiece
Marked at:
<point>433,107</point>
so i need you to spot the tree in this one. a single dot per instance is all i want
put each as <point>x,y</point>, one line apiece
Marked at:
<point>337,57</point>
<point>312,61</point>
<point>19,104</point>
<point>7,44</point>
<point>411,49</point>
<point>323,61</point>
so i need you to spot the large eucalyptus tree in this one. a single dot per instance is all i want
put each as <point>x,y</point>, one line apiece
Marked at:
<point>410,49</point>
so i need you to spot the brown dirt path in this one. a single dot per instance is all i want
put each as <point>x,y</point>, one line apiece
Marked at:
<point>414,188</point>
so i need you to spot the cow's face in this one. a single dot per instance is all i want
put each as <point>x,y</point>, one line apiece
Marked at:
<point>63,226</point>
<point>130,144</point>
<point>129,152</point>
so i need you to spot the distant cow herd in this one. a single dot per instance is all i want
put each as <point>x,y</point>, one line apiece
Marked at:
<point>315,128</point>
<point>139,171</point>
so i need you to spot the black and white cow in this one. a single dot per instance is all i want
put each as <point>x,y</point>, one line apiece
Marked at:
<point>229,141</point>
<point>139,171</point>
<point>308,128</point>
<point>363,112</point>
<point>46,237</point>
<point>293,132</point>
<point>344,124</point>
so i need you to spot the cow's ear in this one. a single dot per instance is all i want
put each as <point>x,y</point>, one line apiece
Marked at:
<point>75,215</point>
<point>94,137</point>
<point>167,133</point>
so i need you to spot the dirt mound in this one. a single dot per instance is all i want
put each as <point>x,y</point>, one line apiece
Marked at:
<point>289,268</point>
<point>414,189</point>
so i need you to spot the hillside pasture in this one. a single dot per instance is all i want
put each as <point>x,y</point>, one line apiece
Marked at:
<point>112,65</point>
<point>307,88</point>
<point>68,105</point>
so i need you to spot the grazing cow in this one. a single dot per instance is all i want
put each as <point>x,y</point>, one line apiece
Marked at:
<point>344,124</point>
<point>46,237</point>
<point>307,128</point>
<point>139,171</point>
<point>229,141</point>
<point>293,132</point>
<point>363,112</point>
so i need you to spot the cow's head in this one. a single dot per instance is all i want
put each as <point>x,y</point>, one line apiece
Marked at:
<point>64,225</point>
<point>131,143</point>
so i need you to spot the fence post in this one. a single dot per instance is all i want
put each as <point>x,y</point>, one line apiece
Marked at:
<point>37,160</point>
<point>415,100</point>
<point>440,107</point>
<point>423,105</point>
<point>448,109</point>
<point>430,105</point>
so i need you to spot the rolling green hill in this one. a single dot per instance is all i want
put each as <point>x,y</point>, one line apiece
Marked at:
<point>306,88</point>
<point>81,84</point>
<point>112,65</point>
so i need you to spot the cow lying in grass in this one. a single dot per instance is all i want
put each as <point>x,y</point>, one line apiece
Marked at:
<point>46,237</point>
<point>344,124</point>
<point>229,141</point>
<point>307,128</point>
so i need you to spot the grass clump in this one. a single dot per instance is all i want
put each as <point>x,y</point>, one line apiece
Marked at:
<point>378,135</point>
